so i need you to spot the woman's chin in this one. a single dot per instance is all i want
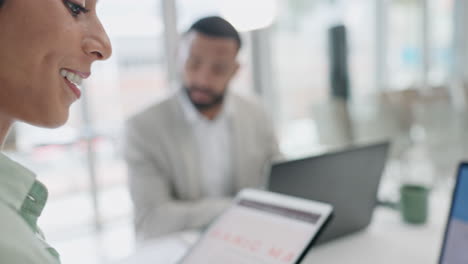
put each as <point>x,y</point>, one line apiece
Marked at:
<point>49,121</point>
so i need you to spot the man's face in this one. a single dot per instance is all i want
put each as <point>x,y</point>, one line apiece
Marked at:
<point>209,65</point>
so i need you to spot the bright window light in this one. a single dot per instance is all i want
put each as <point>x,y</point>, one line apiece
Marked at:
<point>248,15</point>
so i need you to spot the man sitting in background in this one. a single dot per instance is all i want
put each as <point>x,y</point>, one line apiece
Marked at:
<point>189,154</point>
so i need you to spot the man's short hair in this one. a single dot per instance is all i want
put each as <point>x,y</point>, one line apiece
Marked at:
<point>215,26</point>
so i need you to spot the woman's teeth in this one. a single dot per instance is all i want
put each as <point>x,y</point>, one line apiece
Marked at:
<point>72,77</point>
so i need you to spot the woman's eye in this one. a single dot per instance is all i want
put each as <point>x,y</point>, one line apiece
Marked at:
<point>75,9</point>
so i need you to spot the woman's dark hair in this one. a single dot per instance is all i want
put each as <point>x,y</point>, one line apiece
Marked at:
<point>1,3</point>
<point>216,27</point>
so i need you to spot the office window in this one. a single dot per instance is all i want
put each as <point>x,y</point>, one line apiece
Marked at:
<point>300,56</point>
<point>359,17</point>
<point>441,40</point>
<point>405,38</point>
<point>301,62</point>
<point>404,44</point>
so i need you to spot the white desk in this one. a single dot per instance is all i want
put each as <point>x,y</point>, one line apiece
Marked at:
<point>386,240</point>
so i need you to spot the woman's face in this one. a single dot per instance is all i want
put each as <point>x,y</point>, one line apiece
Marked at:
<point>46,48</point>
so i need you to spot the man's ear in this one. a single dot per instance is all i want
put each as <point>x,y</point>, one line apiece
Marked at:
<point>235,69</point>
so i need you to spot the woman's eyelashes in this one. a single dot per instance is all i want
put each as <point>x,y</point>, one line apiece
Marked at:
<point>75,9</point>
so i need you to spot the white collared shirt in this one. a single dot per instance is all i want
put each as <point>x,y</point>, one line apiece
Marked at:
<point>213,139</point>
<point>22,199</point>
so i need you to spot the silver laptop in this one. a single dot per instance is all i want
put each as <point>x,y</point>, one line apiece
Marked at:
<point>347,179</point>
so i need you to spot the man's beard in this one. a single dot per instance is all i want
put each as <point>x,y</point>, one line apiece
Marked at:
<point>216,99</point>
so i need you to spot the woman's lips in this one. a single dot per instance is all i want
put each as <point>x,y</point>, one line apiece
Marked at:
<point>73,88</point>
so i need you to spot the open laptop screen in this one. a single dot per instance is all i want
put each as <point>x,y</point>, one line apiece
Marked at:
<point>455,246</point>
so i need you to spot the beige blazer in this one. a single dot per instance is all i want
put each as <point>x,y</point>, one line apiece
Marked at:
<point>163,168</point>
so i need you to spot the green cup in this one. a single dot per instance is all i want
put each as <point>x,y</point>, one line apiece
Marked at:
<point>414,203</point>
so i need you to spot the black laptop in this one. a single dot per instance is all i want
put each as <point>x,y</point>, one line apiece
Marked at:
<point>347,179</point>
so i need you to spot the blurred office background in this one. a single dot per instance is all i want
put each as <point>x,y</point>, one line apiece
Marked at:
<point>407,83</point>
